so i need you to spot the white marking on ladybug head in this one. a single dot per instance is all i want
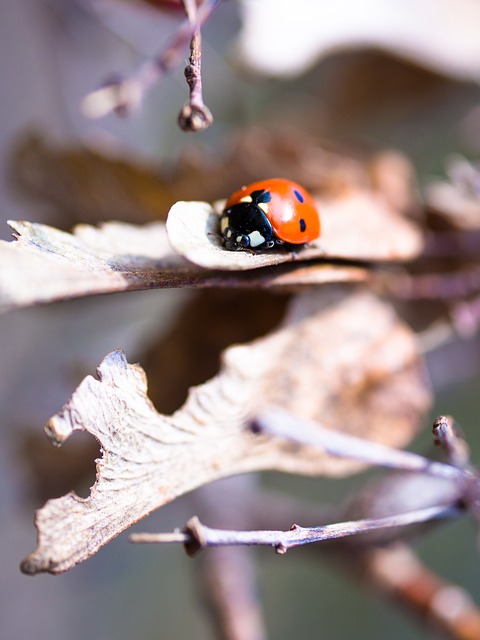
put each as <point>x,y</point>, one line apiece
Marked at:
<point>229,233</point>
<point>224,223</point>
<point>246,199</point>
<point>238,239</point>
<point>263,206</point>
<point>256,238</point>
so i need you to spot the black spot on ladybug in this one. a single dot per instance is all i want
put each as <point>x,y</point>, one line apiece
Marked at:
<point>303,226</point>
<point>299,197</point>
<point>261,196</point>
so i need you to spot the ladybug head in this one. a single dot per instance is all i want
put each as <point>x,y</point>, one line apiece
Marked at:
<point>245,226</point>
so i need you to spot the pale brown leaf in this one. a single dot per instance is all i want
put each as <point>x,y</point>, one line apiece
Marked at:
<point>45,264</point>
<point>438,35</point>
<point>341,358</point>
<point>86,183</point>
<point>359,225</point>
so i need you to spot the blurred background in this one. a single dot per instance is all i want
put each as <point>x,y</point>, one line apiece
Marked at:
<point>283,79</point>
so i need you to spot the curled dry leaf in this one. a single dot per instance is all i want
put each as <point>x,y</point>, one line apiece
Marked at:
<point>45,264</point>
<point>358,226</point>
<point>301,33</point>
<point>341,358</point>
<point>86,183</point>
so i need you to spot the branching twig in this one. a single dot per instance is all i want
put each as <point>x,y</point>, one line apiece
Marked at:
<point>300,431</point>
<point>124,95</point>
<point>195,115</point>
<point>455,447</point>
<point>197,536</point>
<point>393,572</point>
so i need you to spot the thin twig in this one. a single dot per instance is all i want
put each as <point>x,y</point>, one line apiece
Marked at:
<point>195,115</point>
<point>197,536</point>
<point>124,95</point>
<point>455,447</point>
<point>176,536</point>
<point>303,432</point>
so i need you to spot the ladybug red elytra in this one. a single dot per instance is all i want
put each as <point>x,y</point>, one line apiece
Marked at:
<point>269,213</point>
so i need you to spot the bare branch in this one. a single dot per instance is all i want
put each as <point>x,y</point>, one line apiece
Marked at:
<point>279,423</point>
<point>126,94</point>
<point>197,536</point>
<point>195,115</point>
<point>455,447</point>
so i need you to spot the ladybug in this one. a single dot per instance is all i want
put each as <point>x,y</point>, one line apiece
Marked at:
<point>269,213</point>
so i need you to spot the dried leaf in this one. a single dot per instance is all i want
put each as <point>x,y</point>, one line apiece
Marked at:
<point>259,152</point>
<point>300,34</point>
<point>226,317</point>
<point>357,226</point>
<point>87,184</point>
<point>340,359</point>
<point>46,264</point>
